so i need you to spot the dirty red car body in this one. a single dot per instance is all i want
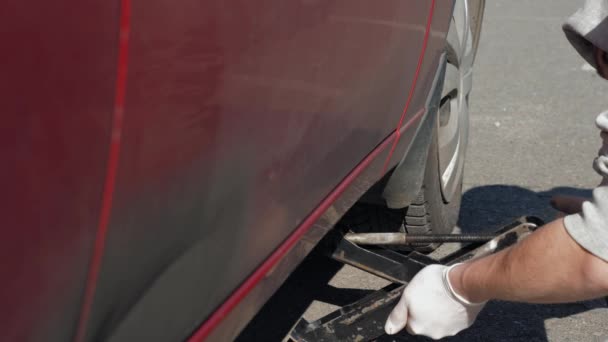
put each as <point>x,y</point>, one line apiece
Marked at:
<point>167,163</point>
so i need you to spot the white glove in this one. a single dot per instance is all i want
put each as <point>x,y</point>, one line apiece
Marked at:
<point>434,309</point>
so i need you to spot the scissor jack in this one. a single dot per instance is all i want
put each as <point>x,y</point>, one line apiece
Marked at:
<point>374,253</point>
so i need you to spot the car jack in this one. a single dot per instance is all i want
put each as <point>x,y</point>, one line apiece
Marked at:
<point>364,320</point>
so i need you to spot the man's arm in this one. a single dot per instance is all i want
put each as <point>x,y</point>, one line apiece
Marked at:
<point>547,267</point>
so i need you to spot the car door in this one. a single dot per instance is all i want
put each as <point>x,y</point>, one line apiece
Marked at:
<point>239,118</point>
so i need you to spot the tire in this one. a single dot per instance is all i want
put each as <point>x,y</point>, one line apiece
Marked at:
<point>430,212</point>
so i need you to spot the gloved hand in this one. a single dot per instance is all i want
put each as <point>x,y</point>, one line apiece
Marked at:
<point>429,306</point>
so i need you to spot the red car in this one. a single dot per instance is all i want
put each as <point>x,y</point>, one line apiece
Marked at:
<point>169,163</point>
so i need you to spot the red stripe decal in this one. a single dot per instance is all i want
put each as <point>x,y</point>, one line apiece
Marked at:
<point>241,292</point>
<point>412,88</point>
<point>112,166</point>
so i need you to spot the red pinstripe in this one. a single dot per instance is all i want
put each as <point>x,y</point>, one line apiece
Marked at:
<point>112,166</point>
<point>412,88</point>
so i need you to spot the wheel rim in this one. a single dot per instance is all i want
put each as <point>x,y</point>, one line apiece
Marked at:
<point>453,118</point>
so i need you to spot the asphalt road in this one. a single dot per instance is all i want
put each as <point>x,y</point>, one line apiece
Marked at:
<point>532,136</point>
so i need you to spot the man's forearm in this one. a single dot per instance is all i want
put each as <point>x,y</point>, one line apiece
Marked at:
<point>547,267</point>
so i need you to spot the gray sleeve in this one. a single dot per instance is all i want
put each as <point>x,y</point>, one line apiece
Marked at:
<point>589,228</point>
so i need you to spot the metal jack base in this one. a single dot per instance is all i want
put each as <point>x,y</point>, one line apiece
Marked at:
<point>364,320</point>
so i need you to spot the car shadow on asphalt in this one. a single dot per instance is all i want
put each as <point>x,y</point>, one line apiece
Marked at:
<point>308,283</point>
<point>486,208</point>
<point>483,208</point>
